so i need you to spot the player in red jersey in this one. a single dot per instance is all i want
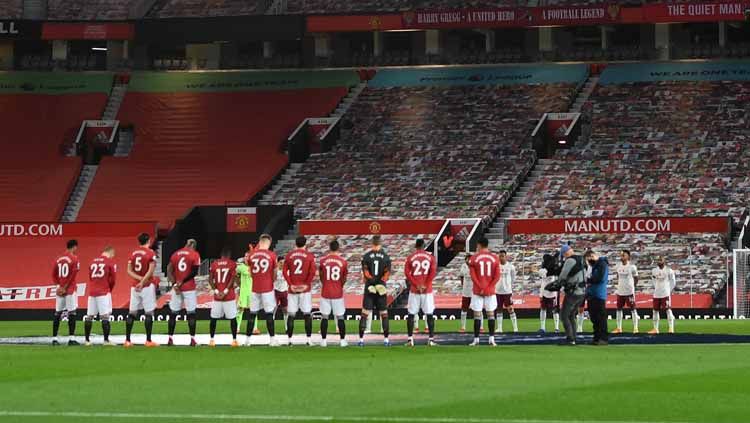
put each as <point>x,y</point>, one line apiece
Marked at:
<point>223,279</point>
<point>333,272</point>
<point>420,269</point>
<point>485,273</point>
<point>102,275</point>
<point>141,268</point>
<point>181,271</point>
<point>262,264</point>
<point>299,272</point>
<point>64,274</point>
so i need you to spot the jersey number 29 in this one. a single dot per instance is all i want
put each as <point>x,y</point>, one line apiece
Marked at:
<point>421,268</point>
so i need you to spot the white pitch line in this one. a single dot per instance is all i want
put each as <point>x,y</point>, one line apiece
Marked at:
<point>282,418</point>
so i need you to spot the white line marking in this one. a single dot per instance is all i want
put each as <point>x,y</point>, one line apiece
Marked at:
<point>281,418</point>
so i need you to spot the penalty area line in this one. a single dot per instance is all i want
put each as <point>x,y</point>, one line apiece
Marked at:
<point>282,418</point>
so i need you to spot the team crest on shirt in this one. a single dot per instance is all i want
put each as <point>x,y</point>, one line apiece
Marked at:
<point>375,227</point>
<point>242,222</point>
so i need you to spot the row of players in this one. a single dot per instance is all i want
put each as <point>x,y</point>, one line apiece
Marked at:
<point>487,282</point>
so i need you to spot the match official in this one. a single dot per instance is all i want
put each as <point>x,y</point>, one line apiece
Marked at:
<point>596,296</point>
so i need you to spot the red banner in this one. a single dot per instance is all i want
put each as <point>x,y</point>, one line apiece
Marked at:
<point>619,225</point>
<point>88,31</point>
<point>369,227</point>
<point>463,18</point>
<point>74,230</point>
<point>29,250</point>
<point>511,17</point>
<point>333,23</point>
<point>695,12</point>
<point>241,219</point>
<point>574,15</point>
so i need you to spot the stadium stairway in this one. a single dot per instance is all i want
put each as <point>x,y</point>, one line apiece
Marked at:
<point>350,98</point>
<point>286,177</point>
<point>125,140</point>
<point>88,171</point>
<point>35,9</point>
<point>78,194</point>
<point>584,93</point>
<point>115,101</point>
<point>276,7</point>
<point>496,232</point>
<point>287,243</point>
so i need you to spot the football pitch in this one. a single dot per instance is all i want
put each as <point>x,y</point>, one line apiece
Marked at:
<point>448,384</point>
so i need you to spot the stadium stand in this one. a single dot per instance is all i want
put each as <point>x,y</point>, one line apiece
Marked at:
<point>203,8</point>
<point>198,142</point>
<point>36,178</point>
<point>88,10</point>
<point>11,8</point>
<point>419,150</point>
<point>346,6</point>
<point>660,148</point>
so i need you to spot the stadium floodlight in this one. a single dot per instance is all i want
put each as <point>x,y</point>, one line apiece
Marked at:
<point>741,288</point>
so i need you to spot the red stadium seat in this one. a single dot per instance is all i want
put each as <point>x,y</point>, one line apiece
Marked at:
<point>199,149</point>
<point>36,178</point>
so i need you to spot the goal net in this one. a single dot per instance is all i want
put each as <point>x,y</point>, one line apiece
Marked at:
<point>741,288</point>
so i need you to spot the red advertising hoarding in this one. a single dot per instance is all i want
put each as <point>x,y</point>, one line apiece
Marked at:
<point>618,225</point>
<point>370,227</point>
<point>29,250</point>
<point>511,17</point>
<point>695,12</point>
<point>88,31</point>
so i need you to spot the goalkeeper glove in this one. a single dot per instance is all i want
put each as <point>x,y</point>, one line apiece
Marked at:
<point>381,289</point>
<point>371,289</point>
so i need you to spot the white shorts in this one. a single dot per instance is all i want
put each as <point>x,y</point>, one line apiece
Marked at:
<point>301,302</point>
<point>335,305</point>
<point>424,302</point>
<point>479,303</point>
<point>188,299</point>
<point>265,300</point>
<point>144,300</point>
<point>101,305</point>
<point>224,310</point>
<point>68,303</point>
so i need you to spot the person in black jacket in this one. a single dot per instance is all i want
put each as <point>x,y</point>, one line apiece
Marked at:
<point>596,296</point>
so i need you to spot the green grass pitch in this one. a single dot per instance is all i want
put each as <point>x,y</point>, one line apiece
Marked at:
<point>511,384</point>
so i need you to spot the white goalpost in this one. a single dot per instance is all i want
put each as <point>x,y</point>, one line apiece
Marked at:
<point>741,286</point>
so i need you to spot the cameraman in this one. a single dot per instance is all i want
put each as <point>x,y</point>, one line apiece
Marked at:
<point>596,295</point>
<point>571,278</point>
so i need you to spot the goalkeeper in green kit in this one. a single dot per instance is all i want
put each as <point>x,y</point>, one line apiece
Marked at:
<point>246,288</point>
